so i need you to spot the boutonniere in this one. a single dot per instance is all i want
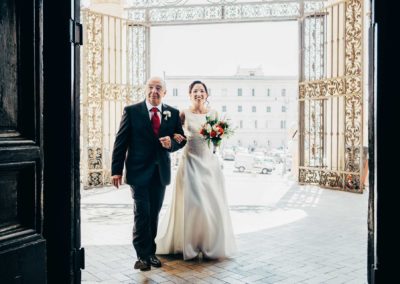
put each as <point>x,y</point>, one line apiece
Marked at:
<point>166,114</point>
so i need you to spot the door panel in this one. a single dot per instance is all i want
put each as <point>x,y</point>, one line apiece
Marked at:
<point>61,224</point>
<point>22,247</point>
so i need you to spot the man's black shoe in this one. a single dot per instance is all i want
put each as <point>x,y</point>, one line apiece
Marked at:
<point>154,261</point>
<point>142,264</point>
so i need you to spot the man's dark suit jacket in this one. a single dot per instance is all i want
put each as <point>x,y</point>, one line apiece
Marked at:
<point>137,145</point>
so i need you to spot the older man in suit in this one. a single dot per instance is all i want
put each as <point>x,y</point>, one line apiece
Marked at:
<point>144,142</point>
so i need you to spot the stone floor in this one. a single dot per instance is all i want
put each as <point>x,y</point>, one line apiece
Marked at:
<point>285,233</point>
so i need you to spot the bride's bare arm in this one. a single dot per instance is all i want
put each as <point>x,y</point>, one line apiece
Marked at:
<point>178,137</point>
<point>182,117</point>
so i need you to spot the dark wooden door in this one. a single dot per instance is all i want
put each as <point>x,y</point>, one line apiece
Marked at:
<point>22,245</point>
<point>39,142</point>
<point>61,180</point>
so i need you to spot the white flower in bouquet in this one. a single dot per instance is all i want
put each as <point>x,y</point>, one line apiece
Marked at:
<point>214,130</point>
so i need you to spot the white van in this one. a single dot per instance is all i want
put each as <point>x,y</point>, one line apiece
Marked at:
<point>244,162</point>
<point>265,165</point>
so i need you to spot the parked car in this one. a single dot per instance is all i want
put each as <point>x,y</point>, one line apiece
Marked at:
<point>271,160</point>
<point>244,162</point>
<point>288,164</point>
<point>239,149</point>
<point>258,153</point>
<point>277,154</point>
<point>265,165</point>
<point>277,158</point>
<point>228,154</point>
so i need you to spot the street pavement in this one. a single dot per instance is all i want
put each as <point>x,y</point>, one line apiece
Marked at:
<point>285,233</point>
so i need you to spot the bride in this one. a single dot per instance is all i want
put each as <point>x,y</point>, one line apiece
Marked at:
<point>198,218</point>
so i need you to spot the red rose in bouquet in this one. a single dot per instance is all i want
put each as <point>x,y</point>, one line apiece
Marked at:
<point>214,130</point>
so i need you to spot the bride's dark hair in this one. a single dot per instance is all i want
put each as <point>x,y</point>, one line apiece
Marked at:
<point>197,82</point>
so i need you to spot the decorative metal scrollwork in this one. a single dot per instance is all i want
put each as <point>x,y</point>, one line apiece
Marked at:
<point>330,102</point>
<point>339,95</point>
<point>102,93</point>
<point>309,6</point>
<point>331,179</point>
<point>165,12</point>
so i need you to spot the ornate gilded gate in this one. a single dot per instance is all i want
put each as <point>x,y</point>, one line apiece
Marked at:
<point>331,95</point>
<point>114,70</point>
<point>115,61</point>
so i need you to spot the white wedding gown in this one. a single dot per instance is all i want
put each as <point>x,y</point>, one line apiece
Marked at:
<point>197,219</point>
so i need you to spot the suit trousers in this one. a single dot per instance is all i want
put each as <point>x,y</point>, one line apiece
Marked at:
<point>147,203</point>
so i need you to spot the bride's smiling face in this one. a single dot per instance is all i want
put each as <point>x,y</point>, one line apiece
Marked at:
<point>198,95</point>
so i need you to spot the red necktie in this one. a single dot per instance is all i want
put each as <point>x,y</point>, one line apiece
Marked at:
<point>155,121</point>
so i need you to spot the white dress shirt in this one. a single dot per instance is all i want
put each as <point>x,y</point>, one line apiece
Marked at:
<point>150,106</point>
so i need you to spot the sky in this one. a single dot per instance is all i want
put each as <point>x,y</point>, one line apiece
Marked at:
<point>218,49</point>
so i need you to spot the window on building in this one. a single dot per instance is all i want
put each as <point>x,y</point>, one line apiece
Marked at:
<point>254,109</point>
<point>268,109</point>
<point>240,123</point>
<point>240,92</point>
<point>240,108</point>
<point>268,92</point>
<point>253,92</point>
<point>266,124</point>
<point>252,73</point>
<point>283,108</point>
<point>255,124</point>
<point>223,108</point>
<point>283,124</point>
<point>175,92</point>
<point>209,91</point>
<point>283,92</point>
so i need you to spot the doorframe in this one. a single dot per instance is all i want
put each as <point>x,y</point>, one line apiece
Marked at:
<point>61,182</point>
<point>372,192</point>
<point>383,103</point>
<point>57,89</point>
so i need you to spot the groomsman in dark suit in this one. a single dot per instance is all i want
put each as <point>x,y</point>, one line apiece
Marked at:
<point>143,143</point>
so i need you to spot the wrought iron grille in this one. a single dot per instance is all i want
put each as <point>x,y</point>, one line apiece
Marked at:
<point>113,75</point>
<point>115,62</point>
<point>330,97</point>
<point>183,12</point>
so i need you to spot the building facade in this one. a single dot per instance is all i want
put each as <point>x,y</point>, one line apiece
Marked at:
<point>262,108</point>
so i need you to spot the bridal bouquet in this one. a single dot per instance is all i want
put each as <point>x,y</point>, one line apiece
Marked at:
<point>214,130</point>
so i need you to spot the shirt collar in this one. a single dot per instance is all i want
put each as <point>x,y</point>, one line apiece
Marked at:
<point>150,106</point>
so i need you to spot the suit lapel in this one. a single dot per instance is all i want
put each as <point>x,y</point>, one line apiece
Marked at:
<point>164,122</point>
<point>146,119</point>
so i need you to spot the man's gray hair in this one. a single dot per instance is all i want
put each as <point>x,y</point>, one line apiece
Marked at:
<point>163,84</point>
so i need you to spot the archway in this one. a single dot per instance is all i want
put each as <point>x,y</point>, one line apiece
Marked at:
<point>321,93</point>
